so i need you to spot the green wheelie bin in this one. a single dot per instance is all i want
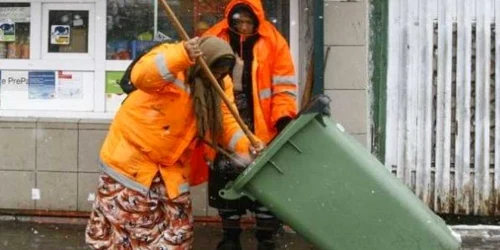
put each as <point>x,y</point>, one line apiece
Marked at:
<point>330,189</point>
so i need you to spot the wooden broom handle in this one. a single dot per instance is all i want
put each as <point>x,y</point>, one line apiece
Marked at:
<point>206,69</point>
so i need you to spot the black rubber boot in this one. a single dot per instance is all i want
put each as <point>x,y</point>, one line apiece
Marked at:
<point>231,230</point>
<point>229,244</point>
<point>266,245</point>
<point>267,230</point>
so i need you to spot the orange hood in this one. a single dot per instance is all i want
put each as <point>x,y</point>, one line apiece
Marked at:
<point>256,6</point>
<point>264,29</point>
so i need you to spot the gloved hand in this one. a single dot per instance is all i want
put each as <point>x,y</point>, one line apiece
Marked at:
<point>282,123</point>
<point>228,166</point>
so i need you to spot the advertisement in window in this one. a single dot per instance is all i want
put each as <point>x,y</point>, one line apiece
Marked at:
<point>14,30</point>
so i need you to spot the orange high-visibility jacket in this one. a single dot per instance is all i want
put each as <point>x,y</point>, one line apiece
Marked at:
<point>155,128</point>
<point>274,82</point>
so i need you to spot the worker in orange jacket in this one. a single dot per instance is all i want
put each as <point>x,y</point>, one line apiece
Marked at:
<point>143,196</point>
<point>265,90</point>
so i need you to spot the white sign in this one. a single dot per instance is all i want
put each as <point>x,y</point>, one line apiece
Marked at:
<point>91,197</point>
<point>15,14</point>
<point>60,34</point>
<point>14,81</point>
<point>35,194</point>
<point>160,37</point>
<point>70,85</point>
<point>7,31</point>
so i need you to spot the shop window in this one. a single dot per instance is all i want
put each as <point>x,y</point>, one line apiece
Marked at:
<point>199,15</point>
<point>196,16</point>
<point>131,26</point>
<point>14,30</point>
<point>68,31</point>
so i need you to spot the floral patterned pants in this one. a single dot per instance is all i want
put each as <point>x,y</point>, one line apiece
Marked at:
<point>124,219</point>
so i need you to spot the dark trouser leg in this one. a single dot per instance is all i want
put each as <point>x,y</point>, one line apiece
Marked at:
<point>231,229</point>
<point>266,229</point>
<point>230,211</point>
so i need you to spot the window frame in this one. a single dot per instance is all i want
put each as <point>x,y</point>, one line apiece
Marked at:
<point>46,8</point>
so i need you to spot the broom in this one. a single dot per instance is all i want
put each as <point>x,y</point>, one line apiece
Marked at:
<point>206,69</point>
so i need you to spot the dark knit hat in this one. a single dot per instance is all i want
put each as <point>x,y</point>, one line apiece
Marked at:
<point>216,53</point>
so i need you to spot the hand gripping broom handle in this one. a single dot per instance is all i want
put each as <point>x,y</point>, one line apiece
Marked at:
<point>206,69</point>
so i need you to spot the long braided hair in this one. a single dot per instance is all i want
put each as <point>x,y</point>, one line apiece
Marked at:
<point>206,101</point>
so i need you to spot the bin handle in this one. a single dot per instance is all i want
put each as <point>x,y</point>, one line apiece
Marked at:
<point>319,104</point>
<point>276,166</point>
<point>295,146</point>
<point>231,194</point>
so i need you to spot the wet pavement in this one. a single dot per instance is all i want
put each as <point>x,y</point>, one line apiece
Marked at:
<point>43,236</point>
<point>479,236</point>
<point>27,235</point>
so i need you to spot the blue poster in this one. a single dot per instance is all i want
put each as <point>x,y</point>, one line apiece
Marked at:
<point>41,84</point>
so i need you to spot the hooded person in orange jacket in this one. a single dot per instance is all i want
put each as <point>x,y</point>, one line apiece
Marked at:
<point>143,199</point>
<point>265,90</point>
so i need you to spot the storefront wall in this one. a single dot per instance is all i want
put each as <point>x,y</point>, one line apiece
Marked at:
<point>59,63</point>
